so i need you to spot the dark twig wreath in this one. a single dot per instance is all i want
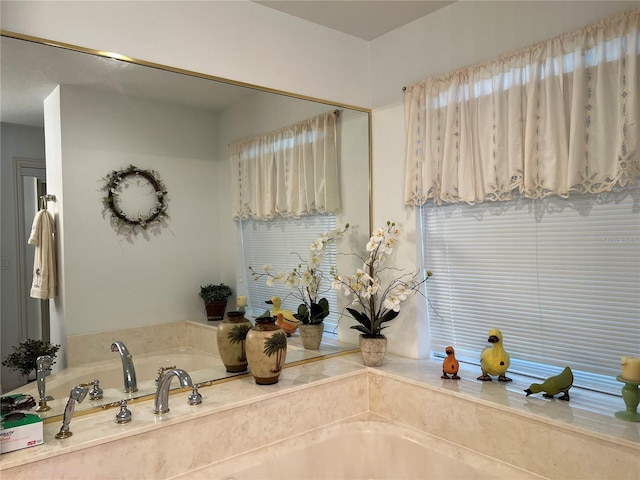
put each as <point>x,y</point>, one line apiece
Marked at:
<point>120,219</point>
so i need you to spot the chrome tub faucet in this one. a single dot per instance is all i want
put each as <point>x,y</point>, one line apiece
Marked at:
<point>161,404</point>
<point>43,365</point>
<point>129,371</point>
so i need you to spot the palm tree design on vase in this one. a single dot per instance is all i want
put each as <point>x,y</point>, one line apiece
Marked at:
<point>276,343</point>
<point>238,334</point>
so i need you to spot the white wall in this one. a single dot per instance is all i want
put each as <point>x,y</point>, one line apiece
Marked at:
<point>462,34</point>
<point>109,282</point>
<point>468,32</point>
<point>240,40</point>
<point>112,283</point>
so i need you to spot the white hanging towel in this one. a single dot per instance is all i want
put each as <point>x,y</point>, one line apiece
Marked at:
<point>44,283</point>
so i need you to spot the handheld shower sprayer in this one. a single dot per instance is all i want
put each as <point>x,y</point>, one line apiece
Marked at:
<point>43,365</point>
<point>77,394</point>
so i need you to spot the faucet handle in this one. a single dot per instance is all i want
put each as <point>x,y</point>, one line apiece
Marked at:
<point>124,415</point>
<point>195,398</point>
<point>96,392</point>
<point>161,371</point>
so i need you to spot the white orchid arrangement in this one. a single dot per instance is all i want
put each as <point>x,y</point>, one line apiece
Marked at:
<point>305,279</point>
<point>376,304</point>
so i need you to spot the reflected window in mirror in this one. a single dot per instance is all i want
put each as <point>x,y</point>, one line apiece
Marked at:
<point>285,196</point>
<point>284,244</point>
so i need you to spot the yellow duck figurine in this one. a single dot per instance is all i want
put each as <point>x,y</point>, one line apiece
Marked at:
<point>286,320</point>
<point>560,383</point>
<point>450,365</point>
<point>494,360</point>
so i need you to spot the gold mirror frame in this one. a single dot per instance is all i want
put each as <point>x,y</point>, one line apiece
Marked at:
<point>167,68</point>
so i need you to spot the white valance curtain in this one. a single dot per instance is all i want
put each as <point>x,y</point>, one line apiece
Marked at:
<point>289,173</point>
<point>556,117</point>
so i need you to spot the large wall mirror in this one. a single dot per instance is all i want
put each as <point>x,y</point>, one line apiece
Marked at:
<point>101,112</point>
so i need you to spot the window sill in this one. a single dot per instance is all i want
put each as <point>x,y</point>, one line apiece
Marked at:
<point>587,412</point>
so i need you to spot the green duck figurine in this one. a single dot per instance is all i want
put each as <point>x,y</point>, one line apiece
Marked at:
<point>554,385</point>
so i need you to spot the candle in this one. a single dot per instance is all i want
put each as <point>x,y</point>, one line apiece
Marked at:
<point>242,301</point>
<point>631,368</point>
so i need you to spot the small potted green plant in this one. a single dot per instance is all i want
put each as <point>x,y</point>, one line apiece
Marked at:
<point>24,356</point>
<point>215,297</point>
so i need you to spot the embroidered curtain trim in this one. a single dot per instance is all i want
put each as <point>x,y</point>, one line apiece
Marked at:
<point>290,172</point>
<point>556,117</point>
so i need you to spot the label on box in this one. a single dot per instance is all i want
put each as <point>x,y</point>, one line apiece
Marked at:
<point>20,430</point>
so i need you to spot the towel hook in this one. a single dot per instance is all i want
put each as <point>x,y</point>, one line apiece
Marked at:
<point>46,198</point>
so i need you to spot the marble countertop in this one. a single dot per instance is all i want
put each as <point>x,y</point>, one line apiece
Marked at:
<point>100,427</point>
<point>586,413</point>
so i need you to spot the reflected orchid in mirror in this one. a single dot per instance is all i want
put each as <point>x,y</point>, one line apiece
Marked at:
<point>306,279</point>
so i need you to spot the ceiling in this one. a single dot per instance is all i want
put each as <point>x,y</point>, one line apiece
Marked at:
<point>29,71</point>
<point>363,19</point>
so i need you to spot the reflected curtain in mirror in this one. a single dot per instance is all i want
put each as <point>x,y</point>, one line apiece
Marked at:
<point>290,172</point>
<point>531,120</point>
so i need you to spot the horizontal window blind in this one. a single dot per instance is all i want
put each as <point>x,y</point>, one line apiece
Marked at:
<point>277,243</point>
<point>559,277</point>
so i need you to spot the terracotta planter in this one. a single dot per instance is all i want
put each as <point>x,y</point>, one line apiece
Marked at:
<point>215,310</point>
<point>266,350</point>
<point>373,350</point>
<point>231,341</point>
<point>311,335</point>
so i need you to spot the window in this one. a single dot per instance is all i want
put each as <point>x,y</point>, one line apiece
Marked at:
<point>559,277</point>
<point>276,243</point>
<point>524,169</point>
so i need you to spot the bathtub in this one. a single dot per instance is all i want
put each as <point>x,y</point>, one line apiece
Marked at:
<point>362,449</point>
<point>201,367</point>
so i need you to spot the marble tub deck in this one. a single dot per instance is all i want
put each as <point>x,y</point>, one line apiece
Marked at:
<point>550,438</point>
<point>363,447</point>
